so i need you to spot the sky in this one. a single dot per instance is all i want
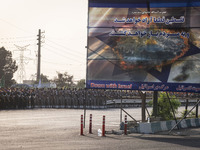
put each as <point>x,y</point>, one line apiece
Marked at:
<point>64,27</point>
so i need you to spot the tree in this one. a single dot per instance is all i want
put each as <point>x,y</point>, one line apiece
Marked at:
<point>81,84</point>
<point>164,107</point>
<point>7,67</point>
<point>44,78</point>
<point>64,80</point>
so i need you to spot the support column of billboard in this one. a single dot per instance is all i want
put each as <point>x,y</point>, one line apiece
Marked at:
<point>143,97</point>
<point>197,108</point>
<point>186,104</point>
<point>155,103</point>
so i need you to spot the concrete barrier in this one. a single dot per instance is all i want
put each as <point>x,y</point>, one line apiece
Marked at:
<point>158,126</point>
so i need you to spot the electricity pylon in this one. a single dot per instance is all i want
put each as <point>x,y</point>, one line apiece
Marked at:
<point>21,65</point>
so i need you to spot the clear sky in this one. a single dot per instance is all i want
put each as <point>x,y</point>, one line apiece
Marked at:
<point>65,25</point>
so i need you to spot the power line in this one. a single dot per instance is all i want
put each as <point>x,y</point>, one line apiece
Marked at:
<point>66,48</point>
<point>64,52</point>
<point>9,41</point>
<point>18,37</point>
<point>13,25</point>
<point>50,62</point>
<point>57,51</point>
<point>61,55</point>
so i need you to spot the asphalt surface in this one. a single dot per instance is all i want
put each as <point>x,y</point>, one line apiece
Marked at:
<point>59,129</point>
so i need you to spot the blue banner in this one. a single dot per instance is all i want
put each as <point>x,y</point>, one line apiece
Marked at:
<point>144,86</point>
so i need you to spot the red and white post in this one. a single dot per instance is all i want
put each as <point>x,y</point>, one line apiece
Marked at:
<point>81,125</point>
<point>125,125</point>
<point>90,124</point>
<point>103,126</point>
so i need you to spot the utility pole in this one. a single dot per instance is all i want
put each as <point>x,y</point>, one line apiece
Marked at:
<point>39,55</point>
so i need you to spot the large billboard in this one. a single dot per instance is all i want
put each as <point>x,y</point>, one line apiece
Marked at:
<point>149,45</point>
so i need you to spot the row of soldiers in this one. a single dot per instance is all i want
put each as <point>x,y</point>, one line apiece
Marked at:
<point>20,98</point>
<point>16,98</point>
<point>51,98</point>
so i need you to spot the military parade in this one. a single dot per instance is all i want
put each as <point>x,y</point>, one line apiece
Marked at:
<point>27,98</point>
<point>14,98</point>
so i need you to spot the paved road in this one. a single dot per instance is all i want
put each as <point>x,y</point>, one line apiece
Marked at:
<point>53,129</point>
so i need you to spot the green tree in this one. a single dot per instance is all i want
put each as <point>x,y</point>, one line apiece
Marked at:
<point>44,78</point>
<point>164,107</point>
<point>81,84</point>
<point>7,67</point>
<point>64,80</point>
<point>2,82</point>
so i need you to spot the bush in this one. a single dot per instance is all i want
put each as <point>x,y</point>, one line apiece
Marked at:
<point>164,107</point>
<point>190,115</point>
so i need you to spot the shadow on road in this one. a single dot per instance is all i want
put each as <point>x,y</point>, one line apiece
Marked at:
<point>179,140</point>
